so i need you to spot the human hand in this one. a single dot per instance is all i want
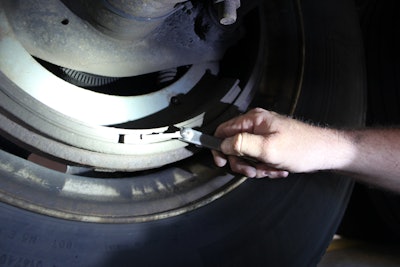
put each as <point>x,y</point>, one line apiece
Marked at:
<point>280,145</point>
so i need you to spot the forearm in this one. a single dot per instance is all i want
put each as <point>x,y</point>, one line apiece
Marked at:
<point>372,156</point>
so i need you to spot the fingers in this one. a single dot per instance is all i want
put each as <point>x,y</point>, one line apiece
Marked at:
<point>250,135</point>
<point>245,144</point>
<point>239,166</point>
<point>248,169</point>
<point>219,158</point>
<point>243,123</point>
<point>259,170</point>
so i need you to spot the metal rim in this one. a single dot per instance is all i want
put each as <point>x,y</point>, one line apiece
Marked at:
<point>133,197</point>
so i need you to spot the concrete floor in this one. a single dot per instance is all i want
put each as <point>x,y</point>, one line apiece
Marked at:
<point>353,253</point>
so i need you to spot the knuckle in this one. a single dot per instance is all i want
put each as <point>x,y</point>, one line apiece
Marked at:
<point>258,110</point>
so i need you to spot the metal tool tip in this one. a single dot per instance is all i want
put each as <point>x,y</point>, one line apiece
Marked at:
<point>186,133</point>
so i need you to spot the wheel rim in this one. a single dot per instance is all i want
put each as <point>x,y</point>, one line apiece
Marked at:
<point>119,196</point>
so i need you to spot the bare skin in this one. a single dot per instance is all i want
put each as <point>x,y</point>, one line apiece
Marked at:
<point>283,145</point>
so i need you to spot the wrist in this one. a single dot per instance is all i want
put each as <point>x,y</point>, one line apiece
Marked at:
<point>339,150</point>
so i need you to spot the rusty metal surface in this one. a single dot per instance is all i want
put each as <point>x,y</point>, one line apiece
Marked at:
<point>51,31</point>
<point>132,19</point>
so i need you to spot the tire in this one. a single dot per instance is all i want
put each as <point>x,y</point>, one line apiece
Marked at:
<point>373,214</point>
<point>286,222</point>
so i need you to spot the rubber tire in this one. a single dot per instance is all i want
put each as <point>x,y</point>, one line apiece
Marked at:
<point>285,222</point>
<point>374,214</point>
